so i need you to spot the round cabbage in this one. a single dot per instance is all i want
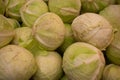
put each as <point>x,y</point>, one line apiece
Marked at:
<point>111,72</point>
<point>111,13</point>
<point>31,10</point>
<point>6,31</point>
<point>49,31</point>
<point>16,63</point>
<point>49,66</point>
<point>82,61</point>
<point>93,29</point>
<point>66,9</point>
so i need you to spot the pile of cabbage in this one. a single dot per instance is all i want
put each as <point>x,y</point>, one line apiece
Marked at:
<point>59,39</point>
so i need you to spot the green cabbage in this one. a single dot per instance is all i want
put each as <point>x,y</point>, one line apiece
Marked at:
<point>93,29</point>
<point>31,10</point>
<point>49,31</point>
<point>6,31</point>
<point>112,14</point>
<point>16,63</point>
<point>111,72</point>
<point>49,66</point>
<point>66,9</point>
<point>82,61</point>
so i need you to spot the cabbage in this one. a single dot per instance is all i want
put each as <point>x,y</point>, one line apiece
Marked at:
<point>82,61</point>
